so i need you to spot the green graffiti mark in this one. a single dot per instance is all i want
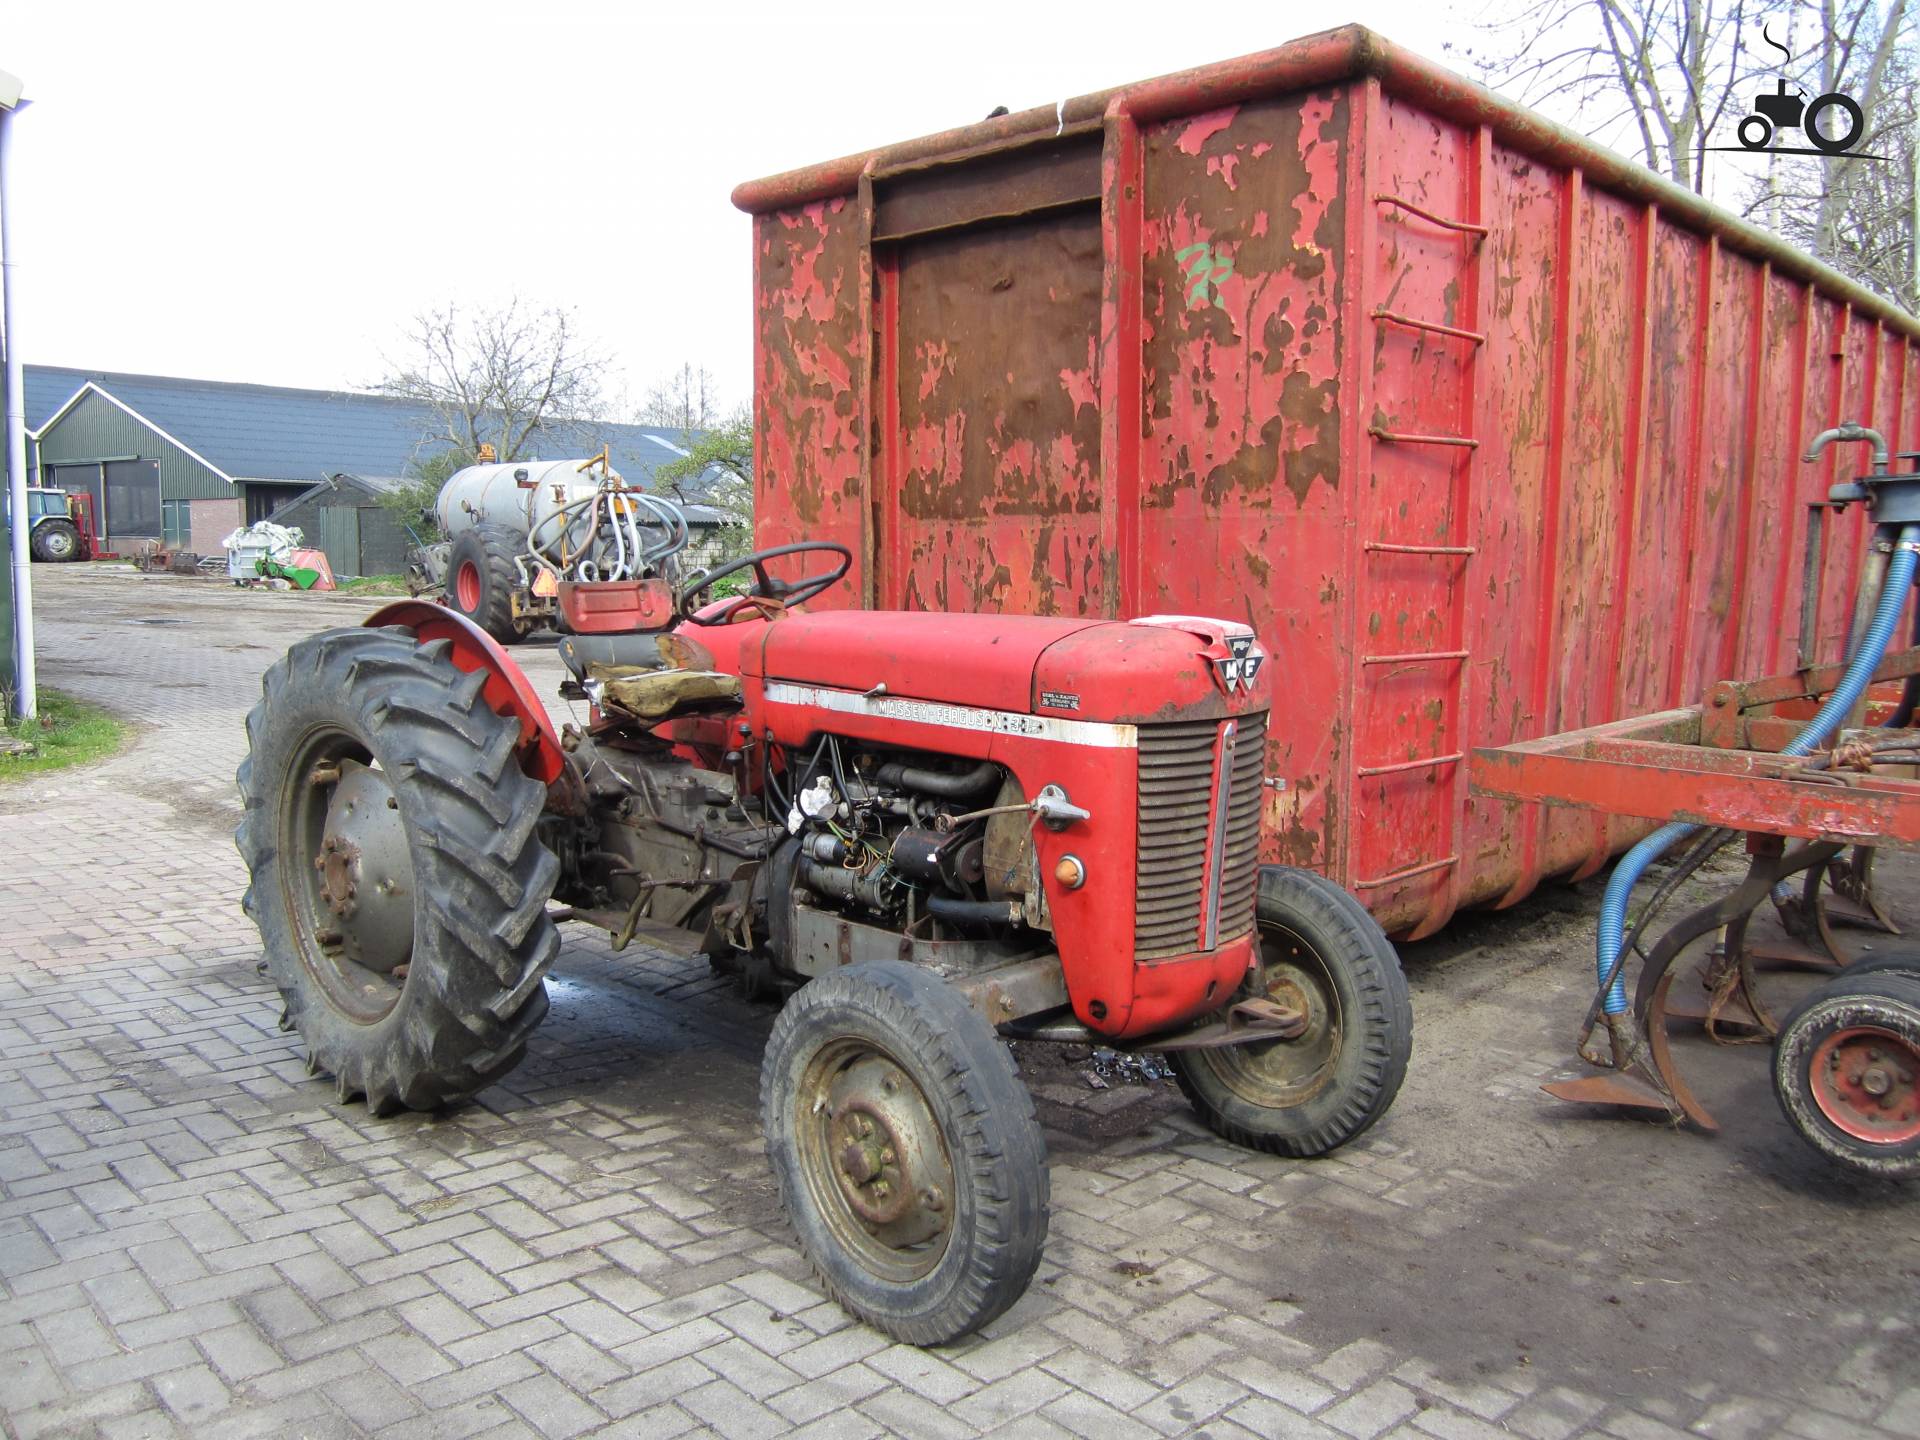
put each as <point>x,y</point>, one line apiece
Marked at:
<point>1205,272</point>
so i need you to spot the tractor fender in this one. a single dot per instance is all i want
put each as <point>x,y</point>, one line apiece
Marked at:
<point>507,689</point>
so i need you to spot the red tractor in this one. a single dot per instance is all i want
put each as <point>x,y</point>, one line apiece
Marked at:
<point>931,832</point>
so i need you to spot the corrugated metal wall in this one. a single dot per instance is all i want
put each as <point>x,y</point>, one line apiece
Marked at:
<point>97,429</point>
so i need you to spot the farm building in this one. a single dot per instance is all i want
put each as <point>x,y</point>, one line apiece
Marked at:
<point>184,462</point>
<point>344,516</point>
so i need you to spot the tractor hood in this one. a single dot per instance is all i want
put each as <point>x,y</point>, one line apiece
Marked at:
<point>1157,668</point>
<point>981,660</point>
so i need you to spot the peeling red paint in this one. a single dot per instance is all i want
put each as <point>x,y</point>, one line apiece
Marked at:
<point>1209,380</point>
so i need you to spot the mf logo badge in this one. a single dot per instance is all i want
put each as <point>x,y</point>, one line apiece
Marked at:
<point>1241,664</point>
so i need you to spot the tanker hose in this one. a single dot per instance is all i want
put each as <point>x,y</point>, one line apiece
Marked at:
<point>1853,684</point>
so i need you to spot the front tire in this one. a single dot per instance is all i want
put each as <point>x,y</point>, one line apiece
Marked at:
<point>1846,1071</point>
<point>396,878</point>
<point>1321,952</point>
<point>905,1150</point>
<point>481,579</point>
<point>55,541</point>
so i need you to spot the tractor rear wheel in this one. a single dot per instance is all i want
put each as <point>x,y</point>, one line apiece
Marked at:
<point>1846,1071</point>
<point>55,541</point>
<point>396,877</point>
<point>905,1150</point>
<point>481,579</point>
<point>1321,953</point>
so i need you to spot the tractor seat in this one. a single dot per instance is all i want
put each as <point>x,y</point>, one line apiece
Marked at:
<point>656,696</point>
<point>652,677</point>
<point>636,650</point>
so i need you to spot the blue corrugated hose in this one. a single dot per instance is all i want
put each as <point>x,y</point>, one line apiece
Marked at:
<point>1860,668</point>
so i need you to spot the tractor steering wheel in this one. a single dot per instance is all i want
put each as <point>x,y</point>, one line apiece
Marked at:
<point>781,593</point>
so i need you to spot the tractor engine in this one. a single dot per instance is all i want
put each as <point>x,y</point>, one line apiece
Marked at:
<point>906,841</point>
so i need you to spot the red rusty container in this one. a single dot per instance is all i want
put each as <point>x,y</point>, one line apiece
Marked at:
<point>1488,432</point>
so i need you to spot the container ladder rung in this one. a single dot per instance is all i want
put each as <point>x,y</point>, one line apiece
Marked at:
<point>1409,437</point>
<point>1464,227</point>
<point>1430,762</point>
<point>1415,657</point>
<point>1407,874</point>
<point>1413,322</point>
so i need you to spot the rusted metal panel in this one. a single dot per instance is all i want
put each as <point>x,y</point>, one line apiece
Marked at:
<point>809,367</point>
<point>1490,434</point>
<point>989,474</point>
<point>1243,233</point>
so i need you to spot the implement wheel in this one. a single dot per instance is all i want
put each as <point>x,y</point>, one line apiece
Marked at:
<point>905,1150</point>
<point>397,881</point>
<point>1321,953</point>
<point>481,579</point>
<point>1846,1070</point>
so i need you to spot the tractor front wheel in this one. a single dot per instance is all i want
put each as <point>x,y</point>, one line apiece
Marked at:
<point>1322,954</point>
<point>481,579</point>
<point>905,1150</point>
<point>56,541</point>
<point>398,883</point>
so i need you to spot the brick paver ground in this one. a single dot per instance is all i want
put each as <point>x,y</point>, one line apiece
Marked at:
<point>196,1238</point>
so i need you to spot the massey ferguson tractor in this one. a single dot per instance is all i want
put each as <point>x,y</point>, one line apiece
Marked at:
<point>932,833</point>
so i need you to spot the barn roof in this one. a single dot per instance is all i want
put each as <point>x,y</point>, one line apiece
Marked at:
<point>272,432</point>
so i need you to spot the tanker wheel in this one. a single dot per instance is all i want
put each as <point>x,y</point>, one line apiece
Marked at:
<point>55,541</point>
<point>1846,1070</point>
<point>396,878</point>
<point>905,1150</point>
<point>481,579</point>
<point>1321,953</point>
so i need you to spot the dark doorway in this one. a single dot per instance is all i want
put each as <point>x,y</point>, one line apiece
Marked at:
<point>133,499</point>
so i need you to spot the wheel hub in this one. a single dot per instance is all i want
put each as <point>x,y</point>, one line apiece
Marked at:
<point>1866,1082</point>
<point>365,870</point>
<point>1293,975</point>
<point>883,1148</point>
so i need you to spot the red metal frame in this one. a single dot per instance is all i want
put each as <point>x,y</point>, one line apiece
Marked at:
<point>1716,764</point>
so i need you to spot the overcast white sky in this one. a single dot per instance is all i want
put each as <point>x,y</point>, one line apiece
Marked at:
<point>265,192</point>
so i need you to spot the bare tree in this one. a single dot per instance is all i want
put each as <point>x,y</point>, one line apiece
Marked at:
<point>718,473</point>
<point>684,400</point>
<point>506,377</point>
<point>1857,213</point>
<point>1857,50</point>
<point>1669,67</point>
<point>1678,74</point>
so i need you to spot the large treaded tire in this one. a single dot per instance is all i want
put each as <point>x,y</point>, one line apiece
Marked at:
<point>481,578</point>
<point>482,940</point>
<point>55,541</point>
<point>1352,1061</point>
<point>987,1129</point>
<point>1881,1007</point>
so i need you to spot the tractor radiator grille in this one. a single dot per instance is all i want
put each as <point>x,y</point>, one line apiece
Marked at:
<point>1178,788</point>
